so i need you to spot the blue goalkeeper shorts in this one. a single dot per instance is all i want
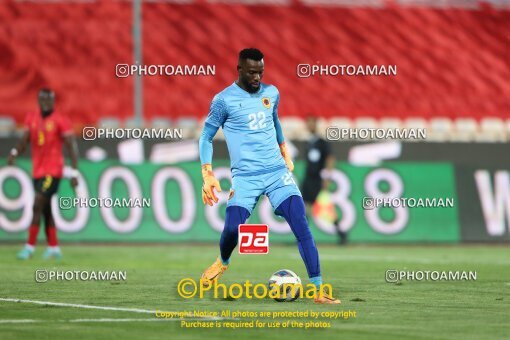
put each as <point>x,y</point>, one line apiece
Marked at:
<point>277,186</point>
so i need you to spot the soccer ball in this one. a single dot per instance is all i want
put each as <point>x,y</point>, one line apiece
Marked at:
<point>277,281</point>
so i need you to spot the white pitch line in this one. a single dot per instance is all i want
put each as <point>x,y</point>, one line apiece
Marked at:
<point>94,320</point>
<point>117,320</point>
<point>369,258</point>
<point>135,320</point>
<point>19,321</point>
<point>74,305</point>
<point>61,304</point>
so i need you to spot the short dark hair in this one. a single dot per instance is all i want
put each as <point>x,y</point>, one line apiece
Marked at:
<point>251,53</point>
<point>47,90</point>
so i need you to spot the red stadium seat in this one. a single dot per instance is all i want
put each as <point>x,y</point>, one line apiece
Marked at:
<point>451,62</point>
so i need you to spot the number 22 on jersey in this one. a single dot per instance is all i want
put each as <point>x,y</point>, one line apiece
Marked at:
<point>257,120</point>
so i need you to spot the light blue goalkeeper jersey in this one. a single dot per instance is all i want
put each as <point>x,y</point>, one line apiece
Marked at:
<point>250,123</point>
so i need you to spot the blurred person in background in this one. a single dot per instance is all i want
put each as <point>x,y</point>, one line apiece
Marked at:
<point>46,131</point>
<point>315,187</point>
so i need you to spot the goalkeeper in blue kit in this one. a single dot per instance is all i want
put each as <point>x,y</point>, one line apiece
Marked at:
<point>247,111</point>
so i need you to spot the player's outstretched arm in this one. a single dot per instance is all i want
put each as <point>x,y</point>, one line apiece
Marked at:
<point>286,156</point>
<point>18,150</point>
<point>206,151</point>
<point>280,139</point>
<point>72,148</point>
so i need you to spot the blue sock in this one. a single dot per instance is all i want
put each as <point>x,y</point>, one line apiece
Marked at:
<point>233,218</point>
<point>316,281</point>
<point>293,210</point>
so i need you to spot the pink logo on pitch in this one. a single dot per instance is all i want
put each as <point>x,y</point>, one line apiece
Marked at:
<point>253,239</point>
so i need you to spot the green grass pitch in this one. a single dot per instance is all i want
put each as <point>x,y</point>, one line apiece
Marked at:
<point>412,309</point>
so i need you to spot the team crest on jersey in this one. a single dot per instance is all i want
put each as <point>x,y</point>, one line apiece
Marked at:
<point>266,102</point>
<point>49,126</point>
